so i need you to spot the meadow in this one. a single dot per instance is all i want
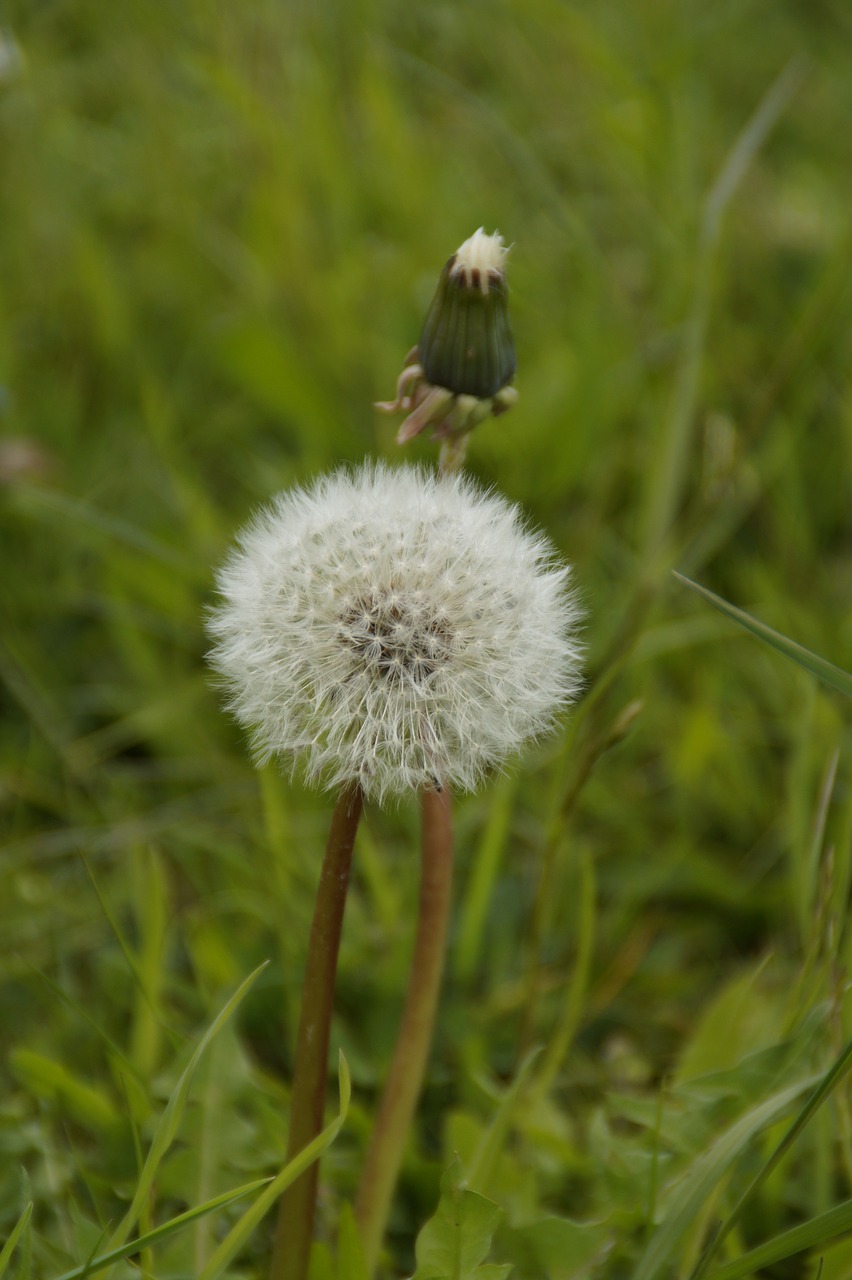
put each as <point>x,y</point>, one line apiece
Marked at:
<point>220,227</point>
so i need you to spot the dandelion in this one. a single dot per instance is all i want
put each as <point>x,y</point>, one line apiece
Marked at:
<point>387,631</point>
<point>394,629</point>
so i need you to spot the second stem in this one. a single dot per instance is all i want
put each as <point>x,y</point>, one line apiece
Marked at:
<point>408,1065</point>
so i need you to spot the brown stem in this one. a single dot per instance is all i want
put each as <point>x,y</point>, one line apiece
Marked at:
<point>296,1215</point>
<point>408,1065</point>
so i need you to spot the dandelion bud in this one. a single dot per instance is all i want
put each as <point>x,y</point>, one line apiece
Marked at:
<point>394,629</point>
<point>460,371</point>
<point>466,344</point>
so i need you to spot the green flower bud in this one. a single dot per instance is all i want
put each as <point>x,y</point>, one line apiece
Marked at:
<point>466,344</point>
<point>460,371</point>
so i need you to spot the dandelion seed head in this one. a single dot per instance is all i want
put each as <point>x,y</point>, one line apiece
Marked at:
<point>394,628</point>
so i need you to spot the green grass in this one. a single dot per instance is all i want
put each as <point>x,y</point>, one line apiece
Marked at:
<point>219,230</point>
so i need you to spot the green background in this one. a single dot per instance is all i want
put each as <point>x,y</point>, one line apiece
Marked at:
<point>220,227</point>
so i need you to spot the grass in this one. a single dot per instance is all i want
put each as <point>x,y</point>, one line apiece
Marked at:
<point>220,228</point>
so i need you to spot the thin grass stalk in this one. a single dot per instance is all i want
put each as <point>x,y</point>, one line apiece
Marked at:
<point>296,1215</point>
<point>408,1065</point>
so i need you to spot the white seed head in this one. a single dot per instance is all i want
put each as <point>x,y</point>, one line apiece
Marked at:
<point>480,261</point>
<point>394,628</point>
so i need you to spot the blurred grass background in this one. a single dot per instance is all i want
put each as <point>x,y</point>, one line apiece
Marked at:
<point>219,228</point>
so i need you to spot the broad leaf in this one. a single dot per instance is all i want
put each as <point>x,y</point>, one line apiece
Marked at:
<point>454,1243</point>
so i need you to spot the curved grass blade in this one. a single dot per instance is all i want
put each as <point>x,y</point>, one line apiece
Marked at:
<point>19,1229</point>
<point>158,1234</point>
<point>173,1114</point>
<point>240,1232</point>
<point>824,1088</point>
<point>827,672</point>
<point>813,1234</point>
<point>670,471</point>
<point>492,1141</point>
<point>705,1174</point>
<point>53,503</point>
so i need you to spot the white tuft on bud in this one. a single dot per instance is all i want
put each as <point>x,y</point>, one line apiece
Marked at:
<point>481,261</point>
<point>394,628</point>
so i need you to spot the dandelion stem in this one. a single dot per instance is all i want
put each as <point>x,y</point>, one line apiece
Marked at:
<point>408,1066</point>
<point>296,1216</point>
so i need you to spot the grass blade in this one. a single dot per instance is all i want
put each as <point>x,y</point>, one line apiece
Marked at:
<point>173,1114</point>
<point>815,1233</point>
<point>486,865</point>
<point>493,1139</point>
<point>670,472</point>
<point>824,1088</point>
<point>9,1246</point>
<point>158,1234</point>
<point>703,1177</point>
<point>240,1232</point>
<point>827,672</point>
